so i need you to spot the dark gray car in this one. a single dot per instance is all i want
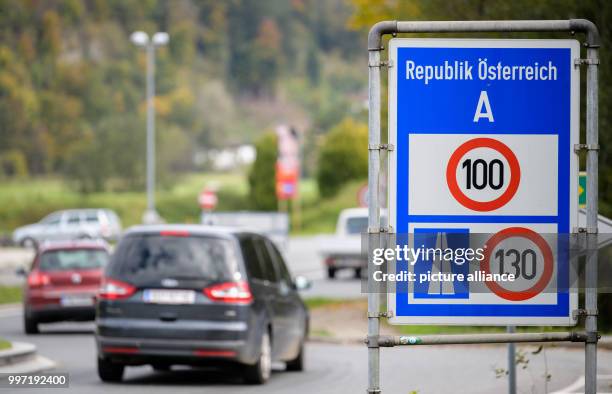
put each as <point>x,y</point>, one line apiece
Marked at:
<point>198,295</point>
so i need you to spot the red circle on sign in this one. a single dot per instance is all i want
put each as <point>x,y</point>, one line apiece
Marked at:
<point>451,174</point>
<point>537,239</point>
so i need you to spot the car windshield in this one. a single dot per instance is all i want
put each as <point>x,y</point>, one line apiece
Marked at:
<point>72,259</point>
<point>54,218</point>
<point>356,225</point>
<point>359,224</point>
<point>149,257</point>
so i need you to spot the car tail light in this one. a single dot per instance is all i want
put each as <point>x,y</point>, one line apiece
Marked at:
<point>231,292</point>
<point>112,289</point>
<point>174,233</point>
<point>38,279</point>
<point>118,349</point>
<point>329,261</point>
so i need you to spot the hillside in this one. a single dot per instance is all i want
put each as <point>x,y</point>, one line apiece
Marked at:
<point>72,84</point>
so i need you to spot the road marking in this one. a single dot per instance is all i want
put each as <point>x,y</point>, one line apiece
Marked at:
<point>579,383</point>
<point>10,312</point>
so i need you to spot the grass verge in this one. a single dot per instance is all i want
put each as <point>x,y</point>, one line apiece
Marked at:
<point>10,294</point>
<point>28,201</point>
<point>4,344</point>
<point>321,302</point>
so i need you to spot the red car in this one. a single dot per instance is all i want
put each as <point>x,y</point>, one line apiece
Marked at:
<point>63,282</point>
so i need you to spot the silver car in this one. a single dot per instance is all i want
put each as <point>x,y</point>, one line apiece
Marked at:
<point>70,224</point>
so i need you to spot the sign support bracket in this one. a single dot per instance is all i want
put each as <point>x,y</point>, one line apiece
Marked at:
<point>585,147</point>
<point>375,46</point>
<point>588,62</point>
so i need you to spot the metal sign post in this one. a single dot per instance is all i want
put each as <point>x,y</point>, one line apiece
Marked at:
<point>374,296</point>
<point>511,363</point>
<point>589,337</point>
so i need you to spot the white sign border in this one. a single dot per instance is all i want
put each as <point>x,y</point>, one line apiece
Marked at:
<point>394,44</point>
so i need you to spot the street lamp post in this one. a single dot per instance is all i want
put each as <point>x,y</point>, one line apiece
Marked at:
<point>141,39</point>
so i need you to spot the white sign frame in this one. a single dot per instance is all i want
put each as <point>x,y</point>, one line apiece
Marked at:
<point>396,43</point>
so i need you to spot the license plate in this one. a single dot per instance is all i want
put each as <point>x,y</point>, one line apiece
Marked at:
<point>155,296</point>
<point>77,300</point>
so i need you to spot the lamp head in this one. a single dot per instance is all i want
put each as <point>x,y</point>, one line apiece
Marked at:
<point>160,38</point>
<point>139,38</point>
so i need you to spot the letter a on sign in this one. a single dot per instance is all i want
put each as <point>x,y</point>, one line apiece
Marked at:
<point>483,101</point>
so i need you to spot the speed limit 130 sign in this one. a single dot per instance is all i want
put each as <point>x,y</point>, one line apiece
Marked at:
<point>484,133</point>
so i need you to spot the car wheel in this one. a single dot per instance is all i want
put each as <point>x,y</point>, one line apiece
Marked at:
<point>297,364</point>
<point>28,243</point>
<point>260,372</point>
<point>358,273</point>
<point>30,325</point>
<point>109,371</point>
<point>331,272</point>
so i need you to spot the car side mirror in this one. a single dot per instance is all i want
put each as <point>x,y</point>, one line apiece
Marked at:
<point>302,283</point>
<point>21,271</point>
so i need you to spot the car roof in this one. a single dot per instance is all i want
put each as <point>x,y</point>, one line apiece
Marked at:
<point>192,229</point>
<point>82,210</point>
<point>359,212</point>
<point>73,244</point>
<point>355,212</point>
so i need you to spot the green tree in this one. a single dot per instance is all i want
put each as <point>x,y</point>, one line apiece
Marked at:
<point>343,156</point>
<point>262,180</point>
<point>114,150</point>
<point>13,163</point>
<point>313,66</point>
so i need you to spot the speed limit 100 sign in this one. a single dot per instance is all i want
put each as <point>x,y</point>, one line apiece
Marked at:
<point>484,133</point>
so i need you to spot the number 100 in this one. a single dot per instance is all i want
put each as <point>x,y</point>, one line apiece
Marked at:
<point>481,174</point>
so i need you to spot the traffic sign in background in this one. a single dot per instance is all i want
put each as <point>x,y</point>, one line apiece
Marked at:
<point>484,133</point>
<point>208,199</point>
<point>362,196</point>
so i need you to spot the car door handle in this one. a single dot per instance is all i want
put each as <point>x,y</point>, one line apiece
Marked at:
<point>167,317</point>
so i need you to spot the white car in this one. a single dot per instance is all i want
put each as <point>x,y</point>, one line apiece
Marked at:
<point>343,251</point>
<point>70,224</point>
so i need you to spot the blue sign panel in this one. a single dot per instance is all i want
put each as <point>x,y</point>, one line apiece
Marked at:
<point>483,133</point>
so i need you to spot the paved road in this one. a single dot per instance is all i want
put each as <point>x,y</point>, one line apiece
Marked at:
<point>330,368</point>
<point>10,260</point>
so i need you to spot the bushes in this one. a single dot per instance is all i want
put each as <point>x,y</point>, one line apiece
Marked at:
<point>262,180</point>
<point>343,156</point>
<point>13,163</point>
<point>24,202</point>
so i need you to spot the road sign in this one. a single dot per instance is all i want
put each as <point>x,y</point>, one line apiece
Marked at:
<point>288,163</point>
<point>208,199</point>
<point>286,180</point>
<point>484,133</point>
<point>582,189</point>
<point>362,196</point>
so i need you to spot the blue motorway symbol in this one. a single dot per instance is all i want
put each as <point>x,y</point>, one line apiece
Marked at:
<point>431,262</point>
